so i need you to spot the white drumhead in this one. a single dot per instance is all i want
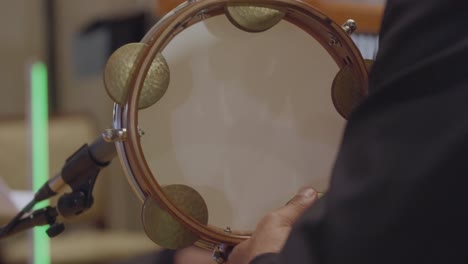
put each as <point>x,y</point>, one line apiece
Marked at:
<point>247,120</point>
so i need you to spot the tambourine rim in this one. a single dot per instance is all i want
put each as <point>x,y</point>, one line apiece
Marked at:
<point>130,151</point>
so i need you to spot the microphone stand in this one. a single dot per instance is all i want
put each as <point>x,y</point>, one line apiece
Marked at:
<point>70,204</point>
<point>45,216</point>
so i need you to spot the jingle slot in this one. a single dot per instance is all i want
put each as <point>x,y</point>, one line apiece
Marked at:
<point>166,231</point>
<point>253,19</point>
<point>119,71</point>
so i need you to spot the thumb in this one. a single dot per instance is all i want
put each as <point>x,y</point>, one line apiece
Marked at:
<point>297,205</point>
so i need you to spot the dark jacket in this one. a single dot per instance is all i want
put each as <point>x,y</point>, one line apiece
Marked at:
<point>399,191</point>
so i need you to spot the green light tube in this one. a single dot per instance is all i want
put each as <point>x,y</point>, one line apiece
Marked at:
<point>40,152</point>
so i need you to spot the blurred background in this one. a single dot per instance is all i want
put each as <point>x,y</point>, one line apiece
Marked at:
<point>74,39</point>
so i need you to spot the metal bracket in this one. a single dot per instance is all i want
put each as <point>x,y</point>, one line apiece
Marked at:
<point>114,135</point>
<point>350,27</point>
<point>220,254</point>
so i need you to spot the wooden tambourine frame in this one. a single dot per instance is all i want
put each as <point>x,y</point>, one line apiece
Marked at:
<point>369,16</point>
<point>333,37</point>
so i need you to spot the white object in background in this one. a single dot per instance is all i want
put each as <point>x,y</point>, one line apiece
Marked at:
<point>368,44</point>
<point>11,202</point>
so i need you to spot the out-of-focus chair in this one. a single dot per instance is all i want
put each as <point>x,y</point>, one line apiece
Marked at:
<point>86,239</point>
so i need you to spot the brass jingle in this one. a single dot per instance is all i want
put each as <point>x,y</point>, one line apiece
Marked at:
<point>346,91</point>
<point>253,18</point>
<point>119,71</point>
<point>166,231</point>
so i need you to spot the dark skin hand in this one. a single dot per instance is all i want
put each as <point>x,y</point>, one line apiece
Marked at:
<point>273,230</point>
<point>270,235</point>
<point>193,255</point>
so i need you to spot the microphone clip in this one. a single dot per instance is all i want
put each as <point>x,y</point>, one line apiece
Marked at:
<point>80,173</point>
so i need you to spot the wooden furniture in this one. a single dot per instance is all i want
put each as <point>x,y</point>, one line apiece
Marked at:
<point>368,16</point>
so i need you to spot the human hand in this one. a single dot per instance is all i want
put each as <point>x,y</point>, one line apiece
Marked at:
<point>193,255</point>
<point>273,230</point>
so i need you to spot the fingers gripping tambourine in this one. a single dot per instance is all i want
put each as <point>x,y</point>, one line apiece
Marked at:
<point>241,103</point>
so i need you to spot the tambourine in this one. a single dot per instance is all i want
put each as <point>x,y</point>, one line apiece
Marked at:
<point>225,109</point>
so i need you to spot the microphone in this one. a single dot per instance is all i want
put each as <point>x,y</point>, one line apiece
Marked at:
<point>79,172</point>
<point>88,159</point>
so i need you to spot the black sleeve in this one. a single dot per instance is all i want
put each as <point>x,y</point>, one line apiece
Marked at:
<point>270,258</point>
<point>166,256</point>
<point>399,190</point>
